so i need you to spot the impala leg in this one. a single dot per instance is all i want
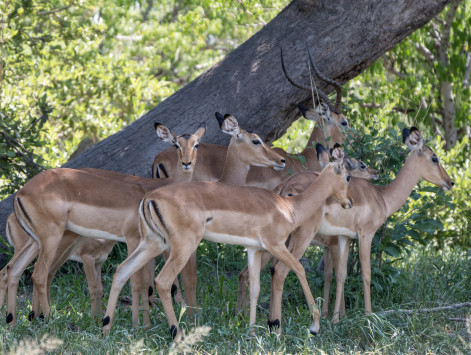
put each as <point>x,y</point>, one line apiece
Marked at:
<point>147,249</point>
<point>189,279</point>
<point>99,282</point>
<point>138,287</point>
<point>90,274</point>
<point>364,246</point>
<point>151,283</point>
<point>46,257</point>
<point>291,261</point>
<point>178,258</point>
<point>298,243</point>
<point>176,291</point>
<point>16,267</point>
<point>340,274</point>
<point>243,282</point>
<point>254,260</point>
<point>328,272</point>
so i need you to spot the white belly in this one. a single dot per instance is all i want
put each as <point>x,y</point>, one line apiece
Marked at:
<point>328,229</point>
<point>93,233</point>
<point>233,239</point>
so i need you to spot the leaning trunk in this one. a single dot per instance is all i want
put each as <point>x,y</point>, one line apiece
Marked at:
<point>345,37</point>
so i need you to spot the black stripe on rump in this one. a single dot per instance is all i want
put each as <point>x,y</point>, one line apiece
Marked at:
<point>157,211</point>
<point>162,167</point>
<point>23,210</point>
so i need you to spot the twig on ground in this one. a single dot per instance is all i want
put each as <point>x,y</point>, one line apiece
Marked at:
<point>425,310</point>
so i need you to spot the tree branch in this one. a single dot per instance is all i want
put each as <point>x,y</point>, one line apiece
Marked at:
<point>395,108</point>
<point>19,149</point>
<point>42,13</point>
<point>429,57</point>
<point>427,310</point>
<point>145,13</point>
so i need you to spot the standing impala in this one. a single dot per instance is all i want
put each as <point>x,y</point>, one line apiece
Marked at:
<point>245,149</point>
<point>60,208</point>
<point>372,206</point>
<point>179,218</point>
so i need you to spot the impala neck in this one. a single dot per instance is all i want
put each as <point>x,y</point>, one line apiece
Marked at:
<point>235,170</point>
<point>181,175</point>
<point>397,192</point>
<point>307,204</point>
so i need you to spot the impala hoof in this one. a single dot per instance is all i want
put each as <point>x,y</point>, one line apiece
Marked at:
<point>274,325</point>
<point>31,316</point>
<point>173,331</point>
<point>9,318</point>
<point>174,290</point>
<point>314,329</point>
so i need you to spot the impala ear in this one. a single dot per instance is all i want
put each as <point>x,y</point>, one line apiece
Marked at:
<point>322,155</point>
<point>324,110</point>
<point>337,153</point>
<point>412,138</point>
<point>348,163</point>
<point>165,133</point>
<point>228,124</point>
<point>201,131</point>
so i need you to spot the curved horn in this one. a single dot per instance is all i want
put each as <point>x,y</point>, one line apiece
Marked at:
<point>335,84</point>
<point>321,94</point>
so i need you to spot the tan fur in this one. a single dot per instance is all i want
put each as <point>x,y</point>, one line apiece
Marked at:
<point>372,205</point>
<point>255,218</point>
<point>102,203</point>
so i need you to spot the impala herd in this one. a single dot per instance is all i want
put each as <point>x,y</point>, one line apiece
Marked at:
<point>247,194</point>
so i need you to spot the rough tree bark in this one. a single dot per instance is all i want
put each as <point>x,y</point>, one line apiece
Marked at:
<point>345,38</point>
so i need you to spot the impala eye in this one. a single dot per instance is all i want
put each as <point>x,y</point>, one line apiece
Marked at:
<point>176,146</point>
<point>256,142</point>
<point>348,178</point>
<point>435,160</point>
<point>196,146</point>
<point>363,167</point>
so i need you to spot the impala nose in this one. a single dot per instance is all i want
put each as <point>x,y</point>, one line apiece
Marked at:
<point>186,166</point>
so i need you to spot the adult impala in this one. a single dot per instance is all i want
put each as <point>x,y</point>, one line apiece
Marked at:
<point>245,150</point>
<point>91,203</point>
<point>372,206</point>
<point>179,218</point>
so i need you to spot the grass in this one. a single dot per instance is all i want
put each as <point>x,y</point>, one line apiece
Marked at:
<point>426,279</point>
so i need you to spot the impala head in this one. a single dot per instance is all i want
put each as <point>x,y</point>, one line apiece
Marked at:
<point>359,169</point>
<point>426,161</point>
<point>251,148</point>
<point>340,176</point>
<point>186,144</point>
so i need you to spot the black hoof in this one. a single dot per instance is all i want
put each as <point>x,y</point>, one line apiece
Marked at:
<point>31,316</point>
<point>173,331</point>
<point>9,318</point>
<point>106,320</point>
<point>313,333</point>
<point>273,325</point>
<point>41,316</point>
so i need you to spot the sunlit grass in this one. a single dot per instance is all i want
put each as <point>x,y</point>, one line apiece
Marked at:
<point>426,279</point>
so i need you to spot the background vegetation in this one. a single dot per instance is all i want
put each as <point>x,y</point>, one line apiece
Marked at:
<point>75,71</point>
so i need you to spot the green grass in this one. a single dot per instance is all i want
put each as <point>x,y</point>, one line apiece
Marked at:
<point>426,279</point>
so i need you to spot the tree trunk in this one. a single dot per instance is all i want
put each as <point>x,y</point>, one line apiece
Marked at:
<point>345,37</point>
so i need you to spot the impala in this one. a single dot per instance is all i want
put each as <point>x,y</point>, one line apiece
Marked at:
<point>245,149</point>
<point>294,185</point>
<point>92,203</point>
<point>372,206</point>
<point>179,218</point>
